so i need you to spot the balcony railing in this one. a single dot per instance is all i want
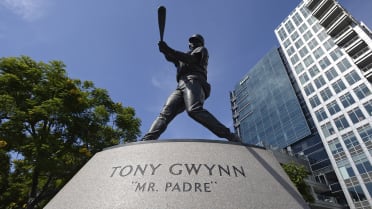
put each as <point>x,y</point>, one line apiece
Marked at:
<point>321,16</point>
<point>233,98</point>
<point>234,107</point>
<point>362,51</point>
<point>236,115</point>
<point>341,33</point>
<point>335,20</point>
<point>237,124</point>
<point>350,42</point>
<point>326,198</point>
<point>366,68</point>
<point>312,4</point>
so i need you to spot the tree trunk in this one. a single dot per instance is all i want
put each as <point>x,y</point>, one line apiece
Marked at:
<point>34,184</point>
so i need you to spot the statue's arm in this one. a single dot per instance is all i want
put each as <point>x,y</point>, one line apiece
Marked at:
<point>171,58</point>
<point>177,55</point>
<point>187,58</point>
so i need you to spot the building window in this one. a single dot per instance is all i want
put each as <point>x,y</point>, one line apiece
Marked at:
<point>345,168</point>
<point>318,52</point>
<point>324,63</point>
<point>289,26</point>
<point>362,163</point>
<point>369,188</point>
<point>362,91</point>
<point>326,94</point>
<point>286,43</point>
<point>335,54</point>
<point>314,70</point>
<point>297,19</point>
<point>311,20</point>
<point>313,43</point>
<point>328,129</point>
<point>341,123</point>
<point>294,59</point>
<point>333,108</point>
<point>329,44</point>
<point>294,36</point>
<point>303,52</point>
<point>308,35</point>
<point>352,77</point>
<point>365,132</point>
<point>350,140</point>
<point>368,107</point>
<point>321,114</point>
<point>303,28</point>
<point>316,28</point>
<point>308,61</point>
<point>282,34</point>
<point>356,193</point>
<point>355,150</point>
<point>309,89</point>
<point>305,12</point>
<point>331,73</point>
<point>338,86</point>
<point>335,146</point>
<point>299,68</point>
<point>290,51</point>
<point>322,35</point>
<point>303,78</point>
<point>319,82</point>
<point>299,43</point>
<point>347,100</point>
<point>343,65</point>
<point>356,115</point>
<point>314,101</point>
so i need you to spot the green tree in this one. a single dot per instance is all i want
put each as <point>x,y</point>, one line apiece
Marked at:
<point>50,125</point>
<point>297,174</point>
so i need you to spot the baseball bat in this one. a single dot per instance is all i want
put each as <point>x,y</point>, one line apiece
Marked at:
<point>161,21</point>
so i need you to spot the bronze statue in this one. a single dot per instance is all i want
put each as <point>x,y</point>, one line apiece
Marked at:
<point>191,92</point>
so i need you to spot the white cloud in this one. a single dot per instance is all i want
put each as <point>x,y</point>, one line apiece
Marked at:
<point>164,80</point>
<point>28,9</point>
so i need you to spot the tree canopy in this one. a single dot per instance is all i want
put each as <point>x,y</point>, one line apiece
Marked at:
<point>297,174</point>
<point>50,125</point>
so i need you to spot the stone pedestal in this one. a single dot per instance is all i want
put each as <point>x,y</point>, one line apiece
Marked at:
<point>180,174</point>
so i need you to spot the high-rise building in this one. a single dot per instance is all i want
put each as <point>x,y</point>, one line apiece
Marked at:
<point>330,56</point>
<point>268,110</point>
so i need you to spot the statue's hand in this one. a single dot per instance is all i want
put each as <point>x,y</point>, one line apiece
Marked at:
<point>164,48</point>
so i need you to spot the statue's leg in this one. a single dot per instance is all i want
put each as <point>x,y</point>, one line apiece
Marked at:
<point>173,106</point>
<point>194,97</point>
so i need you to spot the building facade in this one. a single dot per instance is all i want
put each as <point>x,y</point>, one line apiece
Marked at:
<point>265,107</point>
<point>330,56</point>
<point>268,110</point>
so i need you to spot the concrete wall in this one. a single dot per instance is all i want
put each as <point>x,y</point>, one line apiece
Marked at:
<point>180,174</point>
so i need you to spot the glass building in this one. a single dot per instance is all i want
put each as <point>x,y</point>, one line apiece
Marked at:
<point>269,110</point>
<point>330,56</point>
<point>265,107</point>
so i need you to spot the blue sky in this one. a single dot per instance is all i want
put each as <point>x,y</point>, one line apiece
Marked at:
<point>114,44</point>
